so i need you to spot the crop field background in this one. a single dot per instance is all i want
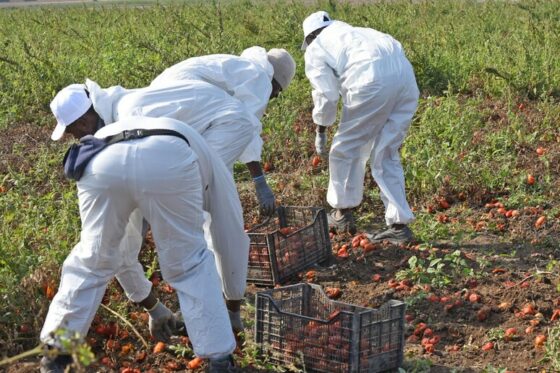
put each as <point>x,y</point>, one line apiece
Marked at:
<point>481,165</point>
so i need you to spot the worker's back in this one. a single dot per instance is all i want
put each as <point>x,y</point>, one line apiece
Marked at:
<point>195,103</point>
<point>247,77</point>
<point>356,54</point>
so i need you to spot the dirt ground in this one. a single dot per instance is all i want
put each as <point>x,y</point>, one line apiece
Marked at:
<point>510,288</point>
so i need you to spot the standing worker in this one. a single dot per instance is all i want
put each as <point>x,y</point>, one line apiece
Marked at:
<point>168,176</point>
<point>254,77</point>
<point>379,94</point>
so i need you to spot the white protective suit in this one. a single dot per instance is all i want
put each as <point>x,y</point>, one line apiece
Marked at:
<point>227,128</point>
<point>222,120</point>
<point>169,183</point>
<point>247,77</point>
<point>379,93</point>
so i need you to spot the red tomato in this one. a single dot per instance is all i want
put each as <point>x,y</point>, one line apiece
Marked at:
<point>539,340</point>
<point>315,161</point>
<point>195,363</point>
<point>540,222</point>
<point>159,347</point>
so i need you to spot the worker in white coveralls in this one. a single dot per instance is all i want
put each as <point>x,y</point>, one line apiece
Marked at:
<point>167,178</point>
<point>370,71</point>
<point>227,127</point>
<point>254,77</point>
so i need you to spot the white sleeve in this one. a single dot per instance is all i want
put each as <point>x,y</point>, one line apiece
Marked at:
<point>325,87</point>
<point>253,151</point>
<point>104,100</point>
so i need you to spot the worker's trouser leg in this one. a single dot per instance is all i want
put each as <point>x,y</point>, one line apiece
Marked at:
<point>189,267</point>
<point>385,161</point>
<point>362,121</point>
<point>131,273</point>
<point>224,230</point>
<point>93,261</point>
<point>373,127</point>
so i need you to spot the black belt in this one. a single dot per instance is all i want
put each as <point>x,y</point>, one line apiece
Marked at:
<point>78,155</point>
<point>140,133</point>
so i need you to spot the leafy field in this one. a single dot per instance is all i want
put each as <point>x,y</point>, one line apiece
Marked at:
<point>481,165</point>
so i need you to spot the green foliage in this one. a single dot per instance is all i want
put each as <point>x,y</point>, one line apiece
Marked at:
<point>436,271</point>
<point>454,47</point>
<point>475,63</point>
<point>73,343</point>
<point>495,334</point>
<point>552,348</point>
<point>182,350</point>
<point>416,366</point>
<point>413,299</point>
<point>40,219</point>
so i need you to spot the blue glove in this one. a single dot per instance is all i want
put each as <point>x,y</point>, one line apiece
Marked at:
<point>321,143</point>
<point>264,195</point>
<point>162,322</point>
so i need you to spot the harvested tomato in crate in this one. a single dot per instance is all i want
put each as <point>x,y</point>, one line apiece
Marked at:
<point>300,326</point>
<point>288,242</point>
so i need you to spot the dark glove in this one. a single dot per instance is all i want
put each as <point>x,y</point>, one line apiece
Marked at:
<point>321,143</point>
<point>264,195</point>
<point>236,322</point>
<point>162,322</point>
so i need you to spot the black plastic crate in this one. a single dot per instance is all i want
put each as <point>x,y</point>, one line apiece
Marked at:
<point>288,242</point>
<point>300,326</point>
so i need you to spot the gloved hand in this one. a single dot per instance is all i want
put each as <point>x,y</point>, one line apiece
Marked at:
<point>321,143</point>
<point>162,322</point>
<point>264,195</point>
<point>236,322</point>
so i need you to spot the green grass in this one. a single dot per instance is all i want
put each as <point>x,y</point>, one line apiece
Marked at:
<point>475,63</point>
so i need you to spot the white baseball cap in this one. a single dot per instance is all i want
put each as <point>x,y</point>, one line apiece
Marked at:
<point>313,22</point>
<point>69,104</point>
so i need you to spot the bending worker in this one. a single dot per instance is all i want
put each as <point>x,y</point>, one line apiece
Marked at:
<point>227,128</point>
<point>169,178</point>
<point>254,77</point>
<point>379,95</point>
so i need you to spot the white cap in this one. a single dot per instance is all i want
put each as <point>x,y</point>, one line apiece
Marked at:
<point>69,104</point>
<point>283,64</point>
<point>313,22</point>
